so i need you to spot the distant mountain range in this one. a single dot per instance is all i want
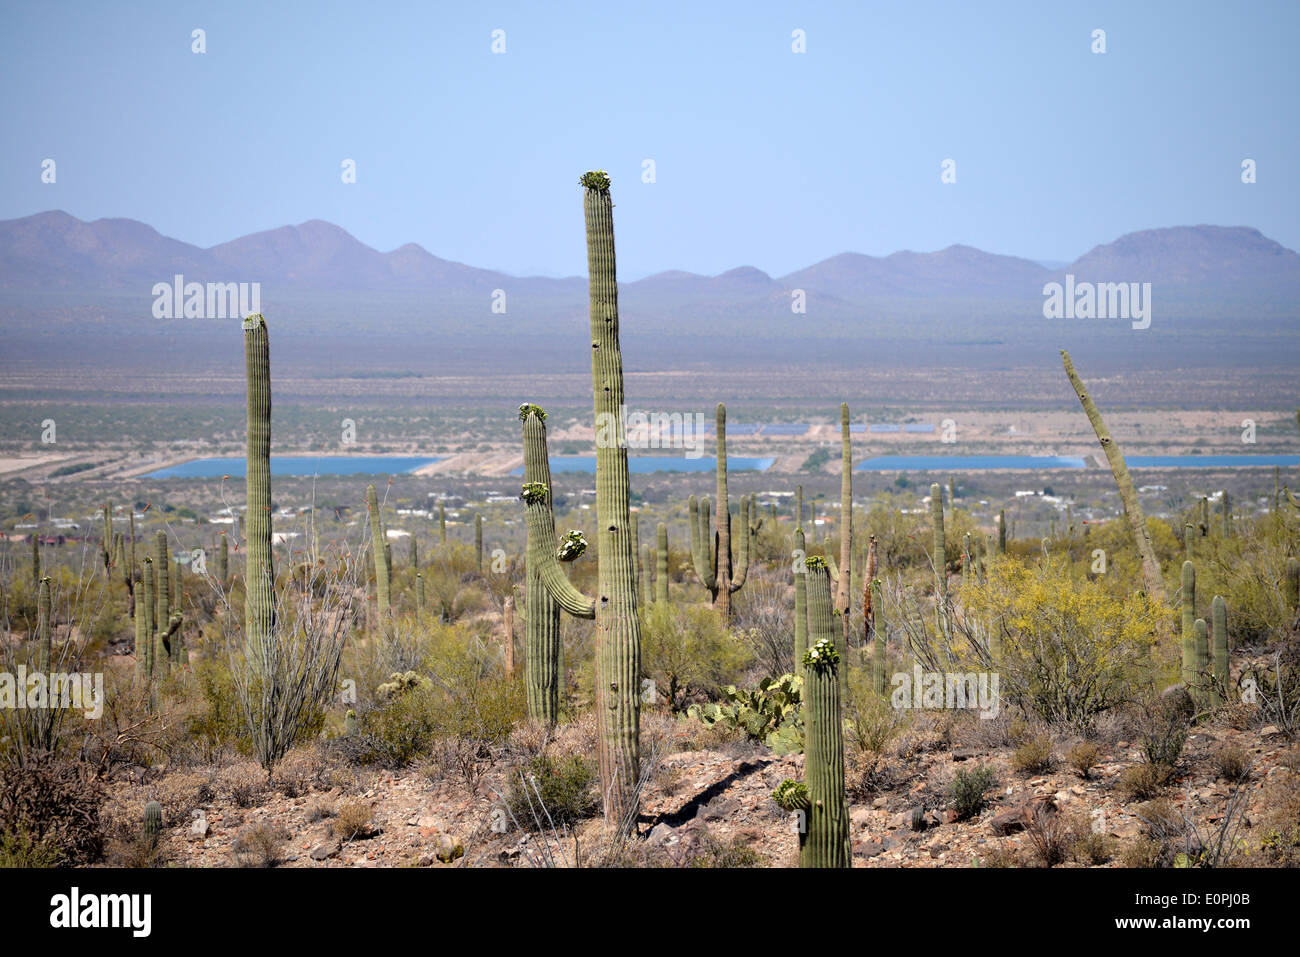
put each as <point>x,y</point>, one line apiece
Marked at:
<point>54,251</point>
<point>78,294</point>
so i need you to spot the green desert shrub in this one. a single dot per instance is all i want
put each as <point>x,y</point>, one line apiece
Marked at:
<point>555,792</point>
<point>968,790</point>
<point>688,652</point>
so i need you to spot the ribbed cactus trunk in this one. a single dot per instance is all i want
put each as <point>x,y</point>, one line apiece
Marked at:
<point>618,631</point>
<point>162,581</point>
<point>798,506</point>
<point>36,560</point>
<point>844,582</point>
<point>868,596</point>
<point>1200,660</point>
<point>413,554</point>
<point>1219,648</point>
<point>824,836</point>
<point>442,523</point>
<point>144,623</point>
<point>722,589</point>
<point>508,634</point>
<point>939,545</point>
<point>1226,513</point>
<point>542,634</point>
<point>1151,573</point>
<point>661,562</point>
<point>1187,601</point>
<point>879,681</point>
<point>800,600</point>
<point>478,540</point>
<point>646,597</point>
<point>259,564</point>
<point>1002,532</point>
<point>107,549</point>
<point>711,547</point>
<point>43,626</point>
<point>378,543</point>
<point>419,594</point>
<point>223,559</point>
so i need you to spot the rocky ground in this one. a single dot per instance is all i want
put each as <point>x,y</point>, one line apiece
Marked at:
<point>699,803</point>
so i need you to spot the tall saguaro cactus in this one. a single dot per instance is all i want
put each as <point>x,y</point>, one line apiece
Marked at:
<point>878,664</point>
<point>800,599</point>
<point>1187,601</point>
<point>44,617</point>
<point>939,544</point>
<point>1151,573</point>
<point>824,834</point>
<point>618,629</point>
<point>259,564</point>
<point>661,562</point>
<point>542,636</point>
<point>713,563</point>
<point>378,542</point>
<point>478,540</point>
<point>844,578</point>
<point>1219,649</point>
<point>223,559</point>
<point>442,523</point>
<point>162,579</point>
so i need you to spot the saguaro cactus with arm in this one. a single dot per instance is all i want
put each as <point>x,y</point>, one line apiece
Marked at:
<point>713,566</point>
<point>618,630</point>
<point>542,635</point>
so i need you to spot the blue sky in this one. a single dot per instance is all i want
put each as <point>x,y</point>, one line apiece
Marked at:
<point>763,157</point>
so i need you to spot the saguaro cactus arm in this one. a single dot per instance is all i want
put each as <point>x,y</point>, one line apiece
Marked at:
<point>702,559</point>
<point>742,550</point>
<point>544,552</point>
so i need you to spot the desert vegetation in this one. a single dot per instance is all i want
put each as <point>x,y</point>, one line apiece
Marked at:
<point>746,679</point>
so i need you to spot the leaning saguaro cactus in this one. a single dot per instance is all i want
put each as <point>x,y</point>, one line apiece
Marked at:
<point>542,636</point>
<point>824,831</point>
<point>711,549</point>
<point>259,566</point>
<point>1128,494</point>
<point>378,542</point>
